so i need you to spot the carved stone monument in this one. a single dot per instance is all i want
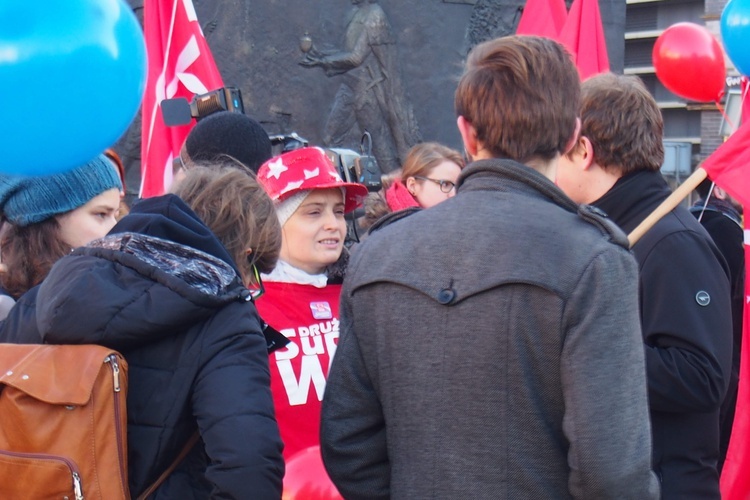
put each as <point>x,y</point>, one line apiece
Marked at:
<point>371,94</point>
<point>388,66</point>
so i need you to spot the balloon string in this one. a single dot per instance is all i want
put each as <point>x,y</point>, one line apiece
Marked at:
<point>726,117</point>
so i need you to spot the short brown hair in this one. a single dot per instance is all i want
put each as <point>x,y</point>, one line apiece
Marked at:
<point>238,211</point>
<point>623,122</point>
<point>521,94</point>
<point>28,253</point>
<point>423,157</point>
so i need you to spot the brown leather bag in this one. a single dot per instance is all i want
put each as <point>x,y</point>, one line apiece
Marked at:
<point>63,422</point>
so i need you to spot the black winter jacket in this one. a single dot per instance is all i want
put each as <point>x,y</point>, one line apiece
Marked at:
<point>687,329</point>
<point>178,312</point>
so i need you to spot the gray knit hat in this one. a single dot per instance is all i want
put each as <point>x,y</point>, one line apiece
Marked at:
<point>28,200</point>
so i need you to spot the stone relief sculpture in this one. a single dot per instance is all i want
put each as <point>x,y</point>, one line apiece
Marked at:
<point>371,94</point>
<point>491,19</point>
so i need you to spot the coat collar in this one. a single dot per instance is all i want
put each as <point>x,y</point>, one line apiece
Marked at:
<point>633,197</point>
<point>483,174</point>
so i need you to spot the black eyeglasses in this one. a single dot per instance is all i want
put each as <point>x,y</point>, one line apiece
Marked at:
<point>177,165</point>
<point>256,289</point>
<point>445,186</point>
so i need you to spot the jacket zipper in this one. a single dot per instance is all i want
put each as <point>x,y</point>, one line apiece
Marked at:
<point>74,472</point>
<point>112,360</point>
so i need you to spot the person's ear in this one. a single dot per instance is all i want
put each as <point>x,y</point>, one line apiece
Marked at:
<point>719,193</point>
<point>411,184</point>
<point>586,152</point>
<point>468,136</point>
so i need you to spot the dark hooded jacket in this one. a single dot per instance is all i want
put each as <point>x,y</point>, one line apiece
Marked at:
<point>687,328</point>
<point>163,291</point>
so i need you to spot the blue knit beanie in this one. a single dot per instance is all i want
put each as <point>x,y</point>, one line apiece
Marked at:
<point>28,200</point>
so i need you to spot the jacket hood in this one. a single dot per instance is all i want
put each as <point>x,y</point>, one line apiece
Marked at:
<point>169,218</point>
<point>135,286</point>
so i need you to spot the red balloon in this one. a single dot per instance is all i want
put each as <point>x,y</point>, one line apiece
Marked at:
<point>689,62</point>
<point>306,477</point>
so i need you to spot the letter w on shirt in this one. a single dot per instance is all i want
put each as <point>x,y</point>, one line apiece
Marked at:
<point>310,372</point>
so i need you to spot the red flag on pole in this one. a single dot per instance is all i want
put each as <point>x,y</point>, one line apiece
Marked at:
<point>180,64</point>
<point>583,35</point>
<point>729,165</point>
<point>735,480</point>
<point>542,18</point>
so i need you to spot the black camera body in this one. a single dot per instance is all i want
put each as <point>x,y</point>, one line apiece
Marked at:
<point>361,168</point>
<point>354,167</point>
<point>179,111</point>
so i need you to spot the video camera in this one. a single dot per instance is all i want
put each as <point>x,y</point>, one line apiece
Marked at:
<point>179,111</point>
<point>361,168</point>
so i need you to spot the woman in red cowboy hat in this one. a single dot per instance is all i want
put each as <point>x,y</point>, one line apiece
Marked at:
<point>302,293</point>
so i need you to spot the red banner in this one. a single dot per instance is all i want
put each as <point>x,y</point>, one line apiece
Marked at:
<point>729,165</point>
<point>542,18</point>
<point>180,64</point>
<point>735,479</point>
<point>583,35</point>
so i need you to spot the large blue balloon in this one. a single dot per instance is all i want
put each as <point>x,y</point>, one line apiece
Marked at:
<point>72,75</point>
<point>735,33</point>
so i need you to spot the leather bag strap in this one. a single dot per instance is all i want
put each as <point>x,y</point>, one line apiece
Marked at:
<point>183,453</point>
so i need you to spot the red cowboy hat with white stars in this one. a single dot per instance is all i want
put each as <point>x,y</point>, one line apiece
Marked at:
<point>303,169</point>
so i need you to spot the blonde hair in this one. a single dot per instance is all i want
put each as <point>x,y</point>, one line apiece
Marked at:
<point>232,203</point>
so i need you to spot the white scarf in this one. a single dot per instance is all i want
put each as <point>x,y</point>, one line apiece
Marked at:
<point>284,272</point>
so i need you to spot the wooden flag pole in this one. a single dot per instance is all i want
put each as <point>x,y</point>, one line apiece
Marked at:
<point>674,199</point>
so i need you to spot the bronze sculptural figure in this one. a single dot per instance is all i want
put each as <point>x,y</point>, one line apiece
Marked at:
<point>371,94</point>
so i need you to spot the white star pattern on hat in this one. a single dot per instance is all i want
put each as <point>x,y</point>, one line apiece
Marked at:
<point>276,168</point>
<point>309,174</point>
<point>336,176</point>
<point>290,187</point>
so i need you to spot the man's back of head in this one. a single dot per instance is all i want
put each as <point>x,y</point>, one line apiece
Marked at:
<point>623,122</point>
<point>520,94</point>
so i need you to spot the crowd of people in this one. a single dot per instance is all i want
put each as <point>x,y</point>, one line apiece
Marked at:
<point>493,336</point>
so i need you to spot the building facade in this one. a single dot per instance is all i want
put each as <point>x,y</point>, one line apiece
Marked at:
<point>692,130</point>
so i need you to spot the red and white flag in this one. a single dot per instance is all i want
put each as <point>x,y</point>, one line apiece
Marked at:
<point>542,18</point>
<point>583,35</point>
<point>180,64</point>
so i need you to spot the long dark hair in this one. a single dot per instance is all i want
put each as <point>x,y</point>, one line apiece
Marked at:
<point>29,253</point>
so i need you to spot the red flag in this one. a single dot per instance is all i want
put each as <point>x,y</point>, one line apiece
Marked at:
<point>583,35</point>
<point>542,18</point>
<point>729,165</point>
<point>735,480</point>
<point>180,64</point>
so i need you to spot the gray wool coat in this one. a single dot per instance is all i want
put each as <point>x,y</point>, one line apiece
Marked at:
<point>491,348</point>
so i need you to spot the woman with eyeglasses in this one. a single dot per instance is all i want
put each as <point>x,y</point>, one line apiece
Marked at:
<point>427,177</point>
<point>167,289</point>
<point>302,293</point>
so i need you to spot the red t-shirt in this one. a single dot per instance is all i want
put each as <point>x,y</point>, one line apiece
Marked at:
<point>309,318</point>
